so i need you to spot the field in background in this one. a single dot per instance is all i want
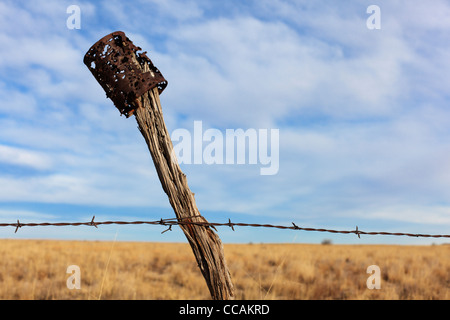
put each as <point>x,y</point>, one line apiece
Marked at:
<point>36,269</point>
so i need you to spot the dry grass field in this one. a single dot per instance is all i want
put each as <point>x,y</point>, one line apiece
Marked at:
<point>36,269</point>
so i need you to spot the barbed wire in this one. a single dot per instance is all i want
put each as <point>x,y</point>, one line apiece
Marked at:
<point>187,221</point>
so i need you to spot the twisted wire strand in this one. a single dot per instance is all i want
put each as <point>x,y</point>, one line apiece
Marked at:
<point>181,221</point>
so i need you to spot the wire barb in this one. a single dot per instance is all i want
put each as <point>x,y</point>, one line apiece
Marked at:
<point>92,223</point>
<point>169,229</point>
<point>357,232</point>
<point>230,224</point>
<point>18,225</point>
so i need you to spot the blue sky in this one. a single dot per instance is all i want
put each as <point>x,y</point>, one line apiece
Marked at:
<point>362,114</point>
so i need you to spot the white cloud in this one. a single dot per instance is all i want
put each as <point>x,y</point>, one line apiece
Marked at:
<point>417,214</point>
<point>23,157</point>
<point>23,214</point>
<point>85,188</point>
<point>180,10</point>
<point>244,71</point>
<point>14,100</point>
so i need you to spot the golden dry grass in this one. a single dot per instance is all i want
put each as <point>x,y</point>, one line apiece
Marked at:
<point>36,269</point>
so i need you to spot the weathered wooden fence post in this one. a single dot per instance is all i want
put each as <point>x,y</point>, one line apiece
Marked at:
<point>133,83</point>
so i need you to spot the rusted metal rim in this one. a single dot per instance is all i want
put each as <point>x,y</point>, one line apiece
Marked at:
<point>112,61</point>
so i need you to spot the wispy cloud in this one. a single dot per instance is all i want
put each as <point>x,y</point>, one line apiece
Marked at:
<point>13,215</point>
<point>21,157</point>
